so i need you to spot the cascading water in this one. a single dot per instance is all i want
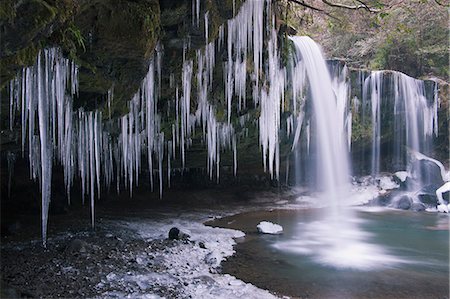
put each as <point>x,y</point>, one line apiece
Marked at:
<point>333,164</point>
<point>415,119</point>
<point>336,240</point>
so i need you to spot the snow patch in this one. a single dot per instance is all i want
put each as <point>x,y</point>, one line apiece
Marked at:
<point>267,227</point>
<point>387,183</point>
<point>402,175</point>
<point>444,188</point>
<point>191,269</point>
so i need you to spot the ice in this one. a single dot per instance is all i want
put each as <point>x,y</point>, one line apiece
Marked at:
<point>267,227</point>
<point>271,99</point>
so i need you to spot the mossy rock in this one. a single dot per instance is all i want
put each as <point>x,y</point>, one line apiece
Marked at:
<point>31,19</point>
<point>120,39</point>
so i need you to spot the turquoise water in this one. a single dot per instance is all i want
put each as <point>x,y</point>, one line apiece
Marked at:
<point>390,254</point>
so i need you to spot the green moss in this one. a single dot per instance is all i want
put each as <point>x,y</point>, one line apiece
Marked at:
<point>7,11</point>
<point>10,65</point>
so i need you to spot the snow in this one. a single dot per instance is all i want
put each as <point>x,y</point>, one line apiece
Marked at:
<point>267,227</point>
<point>402,175</point>
<point>445,174</point>
<point>444,188</point>
<point>192,270</point>
<point>387,183</point>
<point>443,208</point>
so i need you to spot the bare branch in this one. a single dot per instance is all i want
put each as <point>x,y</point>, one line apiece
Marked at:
<point>352,7</point>
<point>314,8</point>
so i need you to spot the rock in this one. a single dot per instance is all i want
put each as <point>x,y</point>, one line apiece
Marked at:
<point>174,233</point>
<point>403,203</point>
<point>418,207</point>
<point>210,259</point>
<point>428,199</point>
<point>201,245</point>
<point>427,172</point>
<point>76,246</point>
<point>427,195</point>
<point>205,279</point>
<point>382,200</point>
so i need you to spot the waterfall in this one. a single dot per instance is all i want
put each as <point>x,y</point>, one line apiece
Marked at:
<point>329,120</point>
<point>335,240</point>
<point>414,116</point>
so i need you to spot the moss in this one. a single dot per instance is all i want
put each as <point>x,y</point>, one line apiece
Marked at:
<point>7,11</point>
<point>10,65</point>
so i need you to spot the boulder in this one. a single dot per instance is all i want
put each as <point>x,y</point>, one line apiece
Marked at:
<point>76,246</point>
<point>427,195</point>
<point>428,199</point>
<point>403,203</point>
<point>174,233</point>
<point>418,207</point>
<point>427,172</point>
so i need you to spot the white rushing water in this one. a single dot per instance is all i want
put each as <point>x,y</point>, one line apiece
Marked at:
<point>415,117</point>
<point>333,163</point>
<point>337,239</point>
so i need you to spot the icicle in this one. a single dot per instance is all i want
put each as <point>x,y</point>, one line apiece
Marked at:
<point>92,163</point>
<point>160,151</point>
<point>46,153</point>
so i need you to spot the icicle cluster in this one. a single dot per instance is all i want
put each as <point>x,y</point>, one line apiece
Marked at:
<point>42,93</point>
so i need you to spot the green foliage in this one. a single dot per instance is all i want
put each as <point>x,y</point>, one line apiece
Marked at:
<point>408,36</point>
<point>73,39</point>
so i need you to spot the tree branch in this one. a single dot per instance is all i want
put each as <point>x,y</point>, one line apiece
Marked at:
<point>314,8</point>
<point>352,7</point>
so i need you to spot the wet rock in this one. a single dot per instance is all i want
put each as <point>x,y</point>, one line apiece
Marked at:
<point>427,172</point>
<point>418,207</point>
<point>403,203</point>
<point>382,200</point>
<point>428,199</point>
<point>76,246</point>
<point>427,195</point>
<point>174,233</point>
